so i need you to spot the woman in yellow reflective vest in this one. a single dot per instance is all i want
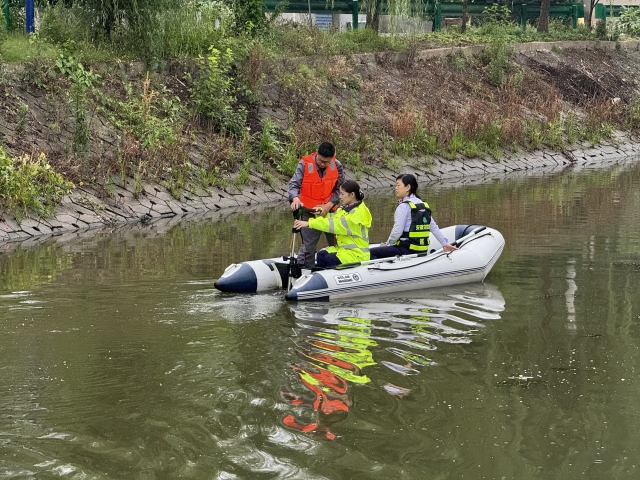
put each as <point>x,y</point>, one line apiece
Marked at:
<point>350,224</point>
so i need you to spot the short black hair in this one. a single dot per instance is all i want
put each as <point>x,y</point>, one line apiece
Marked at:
<point>409,179</point>
<point>326,149</point>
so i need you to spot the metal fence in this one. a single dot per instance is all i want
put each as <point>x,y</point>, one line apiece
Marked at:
<point>521,12</point>
<point>603,11</point>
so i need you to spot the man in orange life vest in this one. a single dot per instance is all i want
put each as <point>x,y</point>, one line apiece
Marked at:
<point>315,184</point>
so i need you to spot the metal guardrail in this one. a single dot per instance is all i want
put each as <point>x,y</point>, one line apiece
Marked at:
<point>521,12</point>
<point>5,12</point>
<point>319,6</point>
<point>601,12</point>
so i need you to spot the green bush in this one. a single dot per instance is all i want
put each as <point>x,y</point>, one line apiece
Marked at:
<point>497,58</point>
<point>188,30</point>
<point>214,94</point>
<point>150,117</point>
<point>59,24</point>
<point>629,21</point>
<point>29,183</point>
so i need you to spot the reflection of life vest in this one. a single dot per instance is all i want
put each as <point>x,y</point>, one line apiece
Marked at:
<point>350,346</point>
<point>417,238</point>
<point>322,382</point>
<point>315,190</point>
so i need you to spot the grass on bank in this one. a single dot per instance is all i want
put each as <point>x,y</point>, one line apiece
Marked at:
<point>159,129</point>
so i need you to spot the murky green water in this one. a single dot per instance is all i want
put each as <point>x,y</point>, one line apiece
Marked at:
<point>119,360</point>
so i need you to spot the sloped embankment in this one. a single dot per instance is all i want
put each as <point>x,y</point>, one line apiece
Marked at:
<point>440,112</point>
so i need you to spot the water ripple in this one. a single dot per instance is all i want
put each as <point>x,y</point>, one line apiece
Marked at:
<point>339,346</point>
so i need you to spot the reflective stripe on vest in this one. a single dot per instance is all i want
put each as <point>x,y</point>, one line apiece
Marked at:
<point>417,238</point>
<point>360,243</point>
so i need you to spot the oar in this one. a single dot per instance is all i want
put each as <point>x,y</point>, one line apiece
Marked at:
<point>458,243</point>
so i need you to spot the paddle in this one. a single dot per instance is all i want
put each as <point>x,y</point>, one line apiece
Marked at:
<point>458,243</point>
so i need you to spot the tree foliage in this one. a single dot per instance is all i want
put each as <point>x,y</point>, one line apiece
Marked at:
<point>249,15</point>
<point>107,15</point>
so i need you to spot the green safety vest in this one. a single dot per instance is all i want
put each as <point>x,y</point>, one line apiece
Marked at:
<point>417,238</point>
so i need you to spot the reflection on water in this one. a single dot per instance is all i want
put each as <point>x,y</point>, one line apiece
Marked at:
<point>335,345</point>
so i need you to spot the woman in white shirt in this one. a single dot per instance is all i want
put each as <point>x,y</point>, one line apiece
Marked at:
<point>412,224</point>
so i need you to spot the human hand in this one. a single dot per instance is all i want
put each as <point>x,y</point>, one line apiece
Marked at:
<point>449,248</point>
<point>295,203</point>
<point>298,224</point>
<point>324,208</point>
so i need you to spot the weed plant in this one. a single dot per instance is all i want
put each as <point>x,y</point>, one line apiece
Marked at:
<point>28,185</point>
<point>81,81</point>
<point>152,117</point>
<point>292,39</point>
<point>214,94</point>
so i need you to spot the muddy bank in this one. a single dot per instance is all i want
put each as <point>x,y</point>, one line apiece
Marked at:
<point>393,86</point>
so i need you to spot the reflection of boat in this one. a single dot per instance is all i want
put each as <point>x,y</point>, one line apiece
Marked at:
<point>338,345</point>
<point>445,315</point>
<point>479,249</point>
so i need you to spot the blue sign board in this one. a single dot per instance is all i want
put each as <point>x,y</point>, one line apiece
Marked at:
<point>324,20</point>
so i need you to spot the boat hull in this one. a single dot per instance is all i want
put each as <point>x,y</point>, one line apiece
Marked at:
<point>476,256</point>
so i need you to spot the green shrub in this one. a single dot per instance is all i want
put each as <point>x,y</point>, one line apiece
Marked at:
<point>629,21</point>
<point>59,24</point>
<point>497,14</point>
<point>214,94</point>
<point>150,117</point>
<point>497,58</point>
<point>189,29</point>
<point>29,184</point>
<point>81,80</point>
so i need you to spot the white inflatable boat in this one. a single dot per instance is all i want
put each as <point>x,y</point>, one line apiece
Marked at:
<point>479,249</point>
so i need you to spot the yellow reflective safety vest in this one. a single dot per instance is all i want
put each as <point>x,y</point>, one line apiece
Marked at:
<point>351,228</point>
<point>417,238</point>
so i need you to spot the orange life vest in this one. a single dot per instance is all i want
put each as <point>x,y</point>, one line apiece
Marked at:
<point>315,190</point>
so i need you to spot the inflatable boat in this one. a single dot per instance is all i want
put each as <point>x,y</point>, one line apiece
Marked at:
<point>479,247</point>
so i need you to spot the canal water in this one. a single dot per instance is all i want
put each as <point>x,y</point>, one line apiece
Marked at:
<point>118,359</point>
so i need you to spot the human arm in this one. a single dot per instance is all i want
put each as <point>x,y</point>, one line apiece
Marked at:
<point>294,187</point>
<point>355,223</point>
<point>444,241</point>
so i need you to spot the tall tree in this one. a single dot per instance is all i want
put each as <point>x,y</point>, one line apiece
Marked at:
<point>589,7</point>
<point>463,27</point>
<point>543,20</point>
<point>373,14</point>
